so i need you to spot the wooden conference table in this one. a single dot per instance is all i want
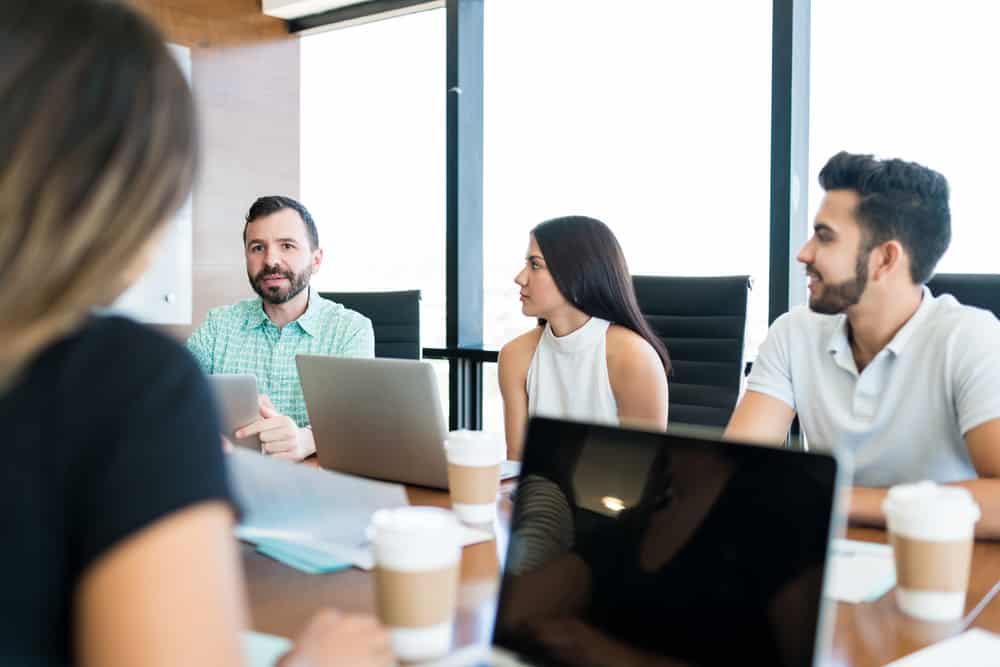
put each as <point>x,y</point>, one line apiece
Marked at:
<point>283,599</point>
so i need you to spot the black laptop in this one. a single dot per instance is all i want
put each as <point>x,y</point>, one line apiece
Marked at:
<point>631,547</point>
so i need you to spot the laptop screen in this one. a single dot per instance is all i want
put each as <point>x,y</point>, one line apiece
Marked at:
<point>627,546</point>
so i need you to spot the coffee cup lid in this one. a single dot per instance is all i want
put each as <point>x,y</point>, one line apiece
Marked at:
<point>415,538</point>
<point>434,522</point>
<point>475,447</point>
<point>923,500</point>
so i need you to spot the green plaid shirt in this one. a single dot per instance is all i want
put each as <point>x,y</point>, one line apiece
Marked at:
<point>241,339</point>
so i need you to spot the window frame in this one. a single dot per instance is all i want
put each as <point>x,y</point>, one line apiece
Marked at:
<point>464,190</point>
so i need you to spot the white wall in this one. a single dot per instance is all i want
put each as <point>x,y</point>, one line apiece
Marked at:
<point>163,295</point>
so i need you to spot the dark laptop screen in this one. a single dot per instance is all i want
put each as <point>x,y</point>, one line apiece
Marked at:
<point>627,546</point>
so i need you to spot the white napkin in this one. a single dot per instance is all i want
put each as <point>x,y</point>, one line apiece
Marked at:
<point>973,648</point>
<point>859,571</point>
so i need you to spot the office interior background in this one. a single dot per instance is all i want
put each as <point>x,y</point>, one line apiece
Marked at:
<point>428,138</point>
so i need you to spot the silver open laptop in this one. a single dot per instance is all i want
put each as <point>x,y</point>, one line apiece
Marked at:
<point>379,418</point>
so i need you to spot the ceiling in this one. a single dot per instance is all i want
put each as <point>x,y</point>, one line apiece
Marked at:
<point>209,23</point>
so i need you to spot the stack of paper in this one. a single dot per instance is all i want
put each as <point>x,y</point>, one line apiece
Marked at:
<point>859,571</point>
<point>311,519</point>
<point>302,506</point>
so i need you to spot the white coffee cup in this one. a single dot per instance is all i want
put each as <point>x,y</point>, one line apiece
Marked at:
<point>931,529</point>
<point>474,461</point>
<point>417,553</point>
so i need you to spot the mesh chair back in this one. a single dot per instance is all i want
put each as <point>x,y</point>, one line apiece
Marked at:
<point>395,317</point>
<point>981,290</point>
<point>703,323</point>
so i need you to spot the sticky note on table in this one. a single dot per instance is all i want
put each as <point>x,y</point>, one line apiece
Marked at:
<point>260,650</point>
<point>300,557</point>
<point>859,571</point>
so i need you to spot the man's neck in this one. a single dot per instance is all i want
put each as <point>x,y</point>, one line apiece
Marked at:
<point>872,325</point>
<point>281,314</point>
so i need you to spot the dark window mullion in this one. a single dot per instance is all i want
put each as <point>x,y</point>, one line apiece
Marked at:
<point>464,251</point>
<point>789,148</point>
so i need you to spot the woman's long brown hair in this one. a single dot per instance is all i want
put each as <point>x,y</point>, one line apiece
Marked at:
<point>97,150</point>
<point>588,266</point>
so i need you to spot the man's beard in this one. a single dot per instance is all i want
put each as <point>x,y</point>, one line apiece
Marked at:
<point>835,298</point>
<point>276,294</point>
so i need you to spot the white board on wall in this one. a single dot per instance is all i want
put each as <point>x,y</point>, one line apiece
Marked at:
<point>163,294</point>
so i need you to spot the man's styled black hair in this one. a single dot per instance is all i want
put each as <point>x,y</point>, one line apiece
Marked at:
<point>900,200</point>
<point>265,206</point>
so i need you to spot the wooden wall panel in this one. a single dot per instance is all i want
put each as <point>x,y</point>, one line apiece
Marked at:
<point>245,74</point>
<point>213,23</point>
<point>248,103</point>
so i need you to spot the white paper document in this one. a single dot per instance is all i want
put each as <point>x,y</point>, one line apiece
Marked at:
<point>974,648</point>
<point>326,511</point>
<point>859,571</point>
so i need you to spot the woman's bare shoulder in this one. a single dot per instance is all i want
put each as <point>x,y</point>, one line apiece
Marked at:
<point>515,356</point>
<point>523,345</point>
<point>626,348</point>
<point>623,339</point>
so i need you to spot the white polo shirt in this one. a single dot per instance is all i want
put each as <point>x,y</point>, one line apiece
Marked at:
<point>904,417</point>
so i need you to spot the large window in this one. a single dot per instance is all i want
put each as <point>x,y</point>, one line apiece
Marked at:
<point>652,116</point>
<point>912,80</point>
<point>373,160</point>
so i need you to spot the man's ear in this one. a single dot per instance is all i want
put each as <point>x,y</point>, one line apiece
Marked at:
<point>888,258</point>
<point>317,259</point>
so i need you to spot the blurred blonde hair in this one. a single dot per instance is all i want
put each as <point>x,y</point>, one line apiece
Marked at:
<point>98,149</point>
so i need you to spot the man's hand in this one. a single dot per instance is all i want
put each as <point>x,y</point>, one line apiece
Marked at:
<point>333,639</point>
<point>279,434</point>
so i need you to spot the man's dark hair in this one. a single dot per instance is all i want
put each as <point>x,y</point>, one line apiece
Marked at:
<point>265,206</point>
<point>901,201</point>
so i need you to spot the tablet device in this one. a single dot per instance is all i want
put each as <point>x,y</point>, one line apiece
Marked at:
<point>236,398</point>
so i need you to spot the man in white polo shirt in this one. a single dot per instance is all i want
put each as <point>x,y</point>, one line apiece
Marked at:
<point>908,383</point>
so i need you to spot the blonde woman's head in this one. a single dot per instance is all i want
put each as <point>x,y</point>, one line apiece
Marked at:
<point>97,151</point>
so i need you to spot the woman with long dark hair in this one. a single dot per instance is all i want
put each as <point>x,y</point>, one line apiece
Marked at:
<point>592,356</point>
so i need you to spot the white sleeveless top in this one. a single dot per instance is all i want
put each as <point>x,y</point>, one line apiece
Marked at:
<point>568,375</point>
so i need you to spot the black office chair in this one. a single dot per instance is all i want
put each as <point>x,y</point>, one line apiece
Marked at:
<point>703,323</point>
<point>395,317</point>
<point>981,290</point>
